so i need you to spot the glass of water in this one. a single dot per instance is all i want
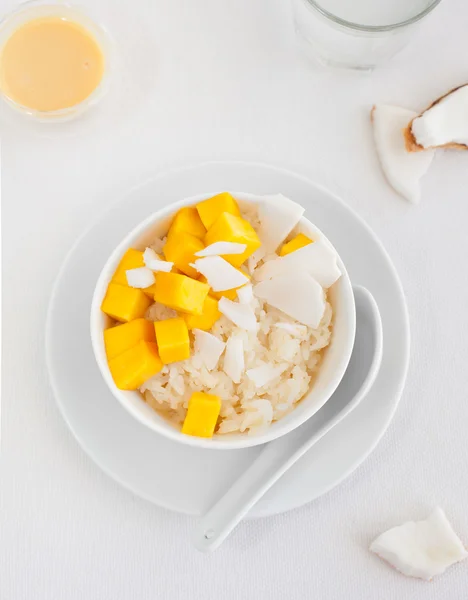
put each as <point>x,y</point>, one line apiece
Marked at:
<point>357,34</point>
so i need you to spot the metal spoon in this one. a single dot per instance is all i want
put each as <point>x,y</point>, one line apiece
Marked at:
<point>278,456</point>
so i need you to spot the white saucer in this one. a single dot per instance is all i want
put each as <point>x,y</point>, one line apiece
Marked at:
<point>178,477</point>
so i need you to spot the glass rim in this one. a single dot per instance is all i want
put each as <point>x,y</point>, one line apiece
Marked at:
<point>371,28</point>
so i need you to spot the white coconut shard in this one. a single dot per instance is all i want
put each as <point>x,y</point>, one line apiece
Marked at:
<point>292,328</point>
<point>245,294</point>
<point>445,122</point>
<point>264,374</point>
<point>255,258</point>
<point>317,259</point>
<point>161,265</point>
<point>402,169</point>
<point>421,548</point>
<point>278,216</point>
<point>297,294</point>
<point>208,347</point>
<point>219,248</point>
<point>220,274</point>
<point>148,255</point>
<point>241,315</point>
<point>234,358</point>
<point>153,262</point>
<point>142,277</point>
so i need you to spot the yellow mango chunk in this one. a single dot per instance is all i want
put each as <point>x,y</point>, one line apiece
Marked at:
<point>212,208</point>
<point>202,415</point>
<point>187,220</point>
<point>133,367</point>
<point>207,319</point>
<point>132,259</point>
<point>181,292</point>
<point>297,242</point>
<point>124,303</point>
<point>231,228</point>
<point>231,294</point>
<point>123,337</point>
<point>180,249</point>
<point>173,340</point>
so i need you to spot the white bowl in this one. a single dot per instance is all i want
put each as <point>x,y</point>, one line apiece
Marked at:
<point>332,369</point>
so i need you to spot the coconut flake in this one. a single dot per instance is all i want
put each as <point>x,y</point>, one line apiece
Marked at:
<point>208,347</point>
<point>219,273</point>
<point>153,262</point>
<point>161,265</point>
<point>241,315</point>
<point>297,294</point>
<point>278,216</point>
<point>402,169</point>
<point>255,258</point>
<point>142,277</point>
<point>245,294</point>
<point>263,374</point>
<point>318,259</point>
<point>234,358</point>
<point>421,548</point>
<point>219,248</point>
<point>148,255</point>
<point>292,328</point>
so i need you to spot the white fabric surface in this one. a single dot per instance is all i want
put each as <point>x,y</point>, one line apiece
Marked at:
<point>222,79</point>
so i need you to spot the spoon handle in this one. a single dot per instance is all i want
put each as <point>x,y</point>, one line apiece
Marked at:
<point>278,456</point>
<point>270,465</point>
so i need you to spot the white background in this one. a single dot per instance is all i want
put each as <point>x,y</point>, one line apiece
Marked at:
<point>222,79</point>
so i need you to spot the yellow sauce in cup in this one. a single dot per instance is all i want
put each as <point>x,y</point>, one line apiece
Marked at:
<point>50,63</point>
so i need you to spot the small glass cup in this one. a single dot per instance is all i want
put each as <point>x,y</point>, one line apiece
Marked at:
<point>35,9</point>
<point>357,34</point>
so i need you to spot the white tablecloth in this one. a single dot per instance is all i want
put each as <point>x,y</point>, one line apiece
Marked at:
<point>221,79</point>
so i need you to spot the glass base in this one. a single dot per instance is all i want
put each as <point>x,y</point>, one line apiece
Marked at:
<point>313,53</point>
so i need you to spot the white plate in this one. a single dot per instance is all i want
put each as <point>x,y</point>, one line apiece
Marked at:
<point>185,479</point>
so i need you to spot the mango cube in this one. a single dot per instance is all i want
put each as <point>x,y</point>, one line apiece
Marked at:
<point>187,220</point>
<point>212,208</point>
<point>202,415</point>
<point>124,303</point>
<point>181,292</point>
<point>180,249</point>
<point>207,319</point>
<point>173,340</point>
<point>297,242</point>
<point>132,259</point>
<point>123,337</point>
<point>133,367</point>
<point>231,294</point>
<point>231,228</point>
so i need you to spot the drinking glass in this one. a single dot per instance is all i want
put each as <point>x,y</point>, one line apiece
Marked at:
<point>357,34</point>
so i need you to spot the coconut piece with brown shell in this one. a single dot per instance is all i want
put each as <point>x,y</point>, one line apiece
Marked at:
<point>444,124</point>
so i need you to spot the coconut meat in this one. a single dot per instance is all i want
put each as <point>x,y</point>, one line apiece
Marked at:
<point>402,169</point>
<point>297,294</point>
<point>421,548</point>
<point>445,122</point>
